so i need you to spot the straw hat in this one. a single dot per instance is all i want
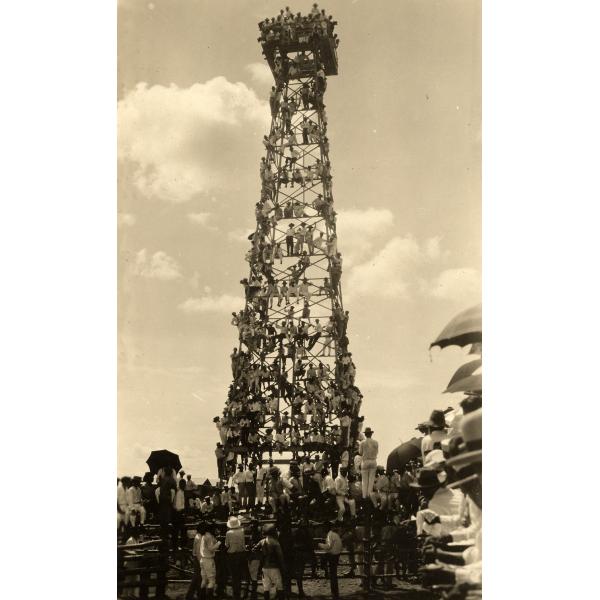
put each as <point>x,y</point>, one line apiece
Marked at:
<point>233,523</point>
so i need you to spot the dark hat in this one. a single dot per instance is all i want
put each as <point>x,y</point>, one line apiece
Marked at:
<point>436,419</point>
<point>426,479</point>
<point>368,430</point>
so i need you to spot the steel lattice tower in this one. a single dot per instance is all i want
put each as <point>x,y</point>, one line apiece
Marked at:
<point>293,391</point>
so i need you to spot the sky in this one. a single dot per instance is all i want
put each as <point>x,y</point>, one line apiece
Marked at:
<point>404,124</point>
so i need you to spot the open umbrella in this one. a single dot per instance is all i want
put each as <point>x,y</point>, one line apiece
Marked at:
<point>470,384</point>
<point>465,370</point>
<point>398,457</point>
<point>163,458</point>
<point>464,329</point>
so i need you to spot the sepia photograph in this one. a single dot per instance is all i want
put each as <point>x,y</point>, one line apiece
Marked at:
<point>250,248</point>
<point>299,299</point>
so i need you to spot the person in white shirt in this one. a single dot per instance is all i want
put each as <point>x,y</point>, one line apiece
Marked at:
<point>134,501</point>
<point>327,483</point>
<point>333,547</point>
<point>261,477</point>
<point>381,489</point>
<point>441,502</point>
<point>342,488</point>
<point>189,484</point>
<point>122,506</point>
<point>436,432</point>
<point>250,486</point>
<point>463,567</point>
<point>208,546</point>
<point>179,514</point>
<point>195,586</point>
<point>239,480</point>
<point>357,462</point>
<point>368,450</point>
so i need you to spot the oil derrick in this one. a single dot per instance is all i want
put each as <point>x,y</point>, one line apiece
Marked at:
<point>293,391</point>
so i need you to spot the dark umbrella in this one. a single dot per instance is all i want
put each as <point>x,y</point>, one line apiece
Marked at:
<point>462,372</point>
<point>163,458</point>
<point>464,329</point>
<point>471,384</point>
<point>398,457</point>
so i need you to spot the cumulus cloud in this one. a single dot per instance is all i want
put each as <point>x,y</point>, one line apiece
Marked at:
<point>395,270</point>
<point>260,73</point>
<point>157,266</point>
<point>458,285</point>
<point>125,219</point>
<point>225,303</point>
<point>187,142</point>
<point>432,248</point>
<point>385,273</point>
<point>203,219</point>
<point>359,229</point>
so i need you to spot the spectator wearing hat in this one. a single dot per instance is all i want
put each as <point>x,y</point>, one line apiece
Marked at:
<point>272,564</point>
<point>134,499</point>
<point>342,494</point>
<point>239,480</point>
<point>277,495</point>
<point>206,506</point>
<point>467,466</point>
<point>436,432</point>
<point>440,501</point>
<point>381,489</point>
<point>236,555</point>
<point>368,450</point>
<point>261,476</point>
<point>122,507</point>
<point>333,547</point>
<point>148,495</point>
<point>220,455</point>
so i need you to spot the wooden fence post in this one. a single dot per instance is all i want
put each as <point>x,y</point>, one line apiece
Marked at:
<point>368,552</point>
<point>163,562</point>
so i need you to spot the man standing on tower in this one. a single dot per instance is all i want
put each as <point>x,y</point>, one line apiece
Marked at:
<point>368,450</point>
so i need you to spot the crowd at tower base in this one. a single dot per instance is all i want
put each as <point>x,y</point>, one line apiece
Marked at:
<point>419,522</point>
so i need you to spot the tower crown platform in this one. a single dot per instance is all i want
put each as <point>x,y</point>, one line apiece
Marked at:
<point>288,36</point>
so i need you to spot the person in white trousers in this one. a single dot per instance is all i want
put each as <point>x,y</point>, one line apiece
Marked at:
<point>368,450</point>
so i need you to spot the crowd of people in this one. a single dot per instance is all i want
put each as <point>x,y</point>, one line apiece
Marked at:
<point>289,28</point>
<point>422,519</point>
<point>311,512</point>
<point>293,387</point>
<point>450,501</point>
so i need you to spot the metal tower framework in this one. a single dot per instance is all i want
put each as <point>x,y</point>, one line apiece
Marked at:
<point>293,389</point>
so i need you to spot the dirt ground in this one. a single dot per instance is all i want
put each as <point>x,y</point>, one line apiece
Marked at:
<point>349,588</point>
